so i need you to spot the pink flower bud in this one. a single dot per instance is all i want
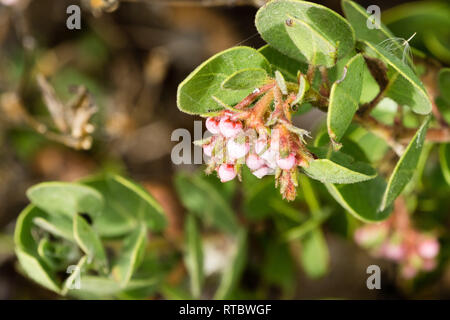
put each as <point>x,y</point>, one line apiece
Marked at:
<point>408,272</point>
<point>212,124</point>
<point>263,171</point>
<point>261,145</point>
<point>237,150</point>
<point>270,157</point>
<point>254,162</point>
<point>208,148</point>
<point>226,172</point>
<point>428,248</point>
<point>229,128</point>
<point>286,163</point>
<point>393,251</point>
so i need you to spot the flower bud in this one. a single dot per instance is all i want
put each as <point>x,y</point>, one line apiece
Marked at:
<point>226,172</point>
<point>270,157</point>
<point>237,150</point>
<point>286,163</point>
<point>263,171</point>
<point>408,271</point>
<point>393,251</point>
<point>275,140</point>
<point>428,248</point>
<point>212,124</point>
<point>254,162</point>
<point>208,148</point>
<point>261,145</point>
<point>229,128</point>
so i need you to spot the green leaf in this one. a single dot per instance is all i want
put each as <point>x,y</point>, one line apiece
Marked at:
<point>226,76</point>
<point>26,250</point>
<point>337,167</point>
<point>362,199</point>
<point>126,204</point>
<point>444,83</point>
<point>305,31</point>
<point>89,242</point>
<point>444,157</point>
<point>63,198</point>
<point>234,270</point>
<point>404,170</point>
<point>59,226</point>
<point>248,78</point>
<point>37,271</point>
<point>344,98</point>
<point>194,255</point>
<point>195,191</point>
<point>358,17</point>
<point>287,66</point>
<point>315,257</point>
<point>131,255</point>
<point>404,87</point>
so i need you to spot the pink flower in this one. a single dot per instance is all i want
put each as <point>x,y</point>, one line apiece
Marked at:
<point>429,264</point>
<point>261,144</point>
<point>229,128</point>
<point>428,248</point>
<point>226,172</point>
<point>270,157</point>
<point>393,251</point>
<point>208,148</point>
<point>286,163</point>
<point>263,171</point>
<point>237,150</point>
<point>212,124</point>
<point>254,162</point>
<point>275,140</point>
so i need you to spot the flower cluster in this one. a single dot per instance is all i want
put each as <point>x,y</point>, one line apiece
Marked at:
<point>396,240</point>
<point>258,136</point>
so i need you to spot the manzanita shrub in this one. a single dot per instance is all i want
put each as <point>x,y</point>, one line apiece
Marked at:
<point>382,122</point>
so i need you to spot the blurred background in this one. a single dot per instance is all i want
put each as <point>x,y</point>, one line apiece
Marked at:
<point>130,58</point>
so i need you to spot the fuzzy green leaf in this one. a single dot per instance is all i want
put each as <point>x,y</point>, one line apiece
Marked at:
<point>315,256</point>
<point>406,166</point>
<point>89,242</point>
<point>131,255</point>
<point>287,66</point>
<point>305,31</point>
<point>337,167</point>
<point>404,86</point>
<point>126,204</point>
<point>227,76</point>
<point>344,98</point>
<point>63,198</point>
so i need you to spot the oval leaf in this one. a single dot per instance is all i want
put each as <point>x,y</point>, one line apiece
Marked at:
<point>130,256</point>
<point>126,203</point>
<point>405,167</point>
<point>344,98</point>
<point>404,87</point>
<point>338,167</point>
<point>195,93</point>
<point>245,79</point>
<point>305,31</point>
<point>63,198</point>
<point>89,242</point>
